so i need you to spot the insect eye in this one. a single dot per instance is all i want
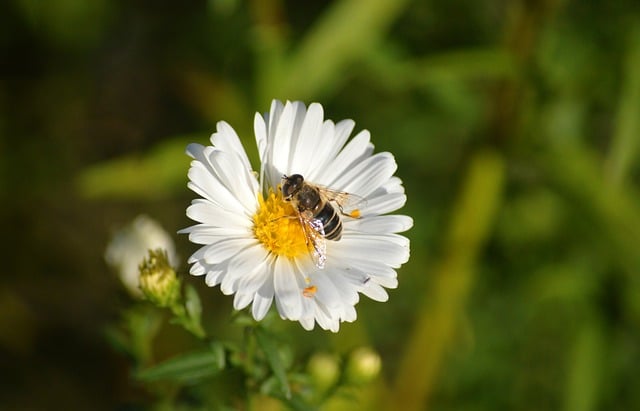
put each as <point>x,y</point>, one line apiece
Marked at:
<point>296,180</point>
<point>291,185</point>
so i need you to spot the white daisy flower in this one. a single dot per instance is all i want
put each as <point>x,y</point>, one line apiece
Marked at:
<point>255,243</point>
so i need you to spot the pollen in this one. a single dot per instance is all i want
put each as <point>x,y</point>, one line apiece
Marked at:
<point>310,291</point>
<point>355,214</point>
<point>277,227</point>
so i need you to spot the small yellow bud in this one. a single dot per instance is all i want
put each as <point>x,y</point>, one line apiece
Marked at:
<point>158,280</point>
<point>324,370</point>
<point>363,366</point>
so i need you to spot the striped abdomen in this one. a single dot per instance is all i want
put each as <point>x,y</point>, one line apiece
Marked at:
<point>331,222</point>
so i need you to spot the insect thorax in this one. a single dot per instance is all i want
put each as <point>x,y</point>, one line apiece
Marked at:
<point>308,198</point>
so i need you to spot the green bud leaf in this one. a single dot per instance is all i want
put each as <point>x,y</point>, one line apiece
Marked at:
<point>192,303</point>
<point>190,367</point>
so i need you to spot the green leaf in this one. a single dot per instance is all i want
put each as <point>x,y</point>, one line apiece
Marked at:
<point>156,174</point>
<point>625,142</point>
<point>345,34</point>
<point>188,367</point>
<point>192,303</point>
<point>270,349</point>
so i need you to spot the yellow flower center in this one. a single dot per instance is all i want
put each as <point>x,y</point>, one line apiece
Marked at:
<point>277,227</point>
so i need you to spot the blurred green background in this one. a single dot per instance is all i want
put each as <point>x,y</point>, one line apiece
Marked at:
<point>515,124</point>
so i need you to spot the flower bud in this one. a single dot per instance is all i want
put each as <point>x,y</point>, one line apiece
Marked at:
<point>363,366</point>
<point>158,280</point>
<point>324,370</point>
<point>129,245</point>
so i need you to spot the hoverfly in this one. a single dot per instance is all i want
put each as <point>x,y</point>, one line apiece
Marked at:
<point>318,217</point>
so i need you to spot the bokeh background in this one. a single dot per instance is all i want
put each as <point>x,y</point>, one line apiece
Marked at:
<point>515,124</point>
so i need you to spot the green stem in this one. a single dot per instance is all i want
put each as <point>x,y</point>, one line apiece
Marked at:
<point>585,366</point>
<point>248,352</point>
<point>187,322</point>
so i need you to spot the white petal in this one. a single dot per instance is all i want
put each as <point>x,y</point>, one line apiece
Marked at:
<point>203,211</point>
<point>333,139</point>
<point>263,298</point>
<point>386,282</point>
<point>396,239</point>
<point>207,234</point>
<point>350,314</point>
<point>273,117</point>
<point>369,267</point>
<point>284,138</point>
<point>322,315</point>
<point>253,280</point>
<point>326,292</point>
<point>394,185</point>
<point>326,319</point>
<point>210,179</point>
<point>355,151</point>
<point>260,130</point>
<point>379,224</point>
<point>195,150</point>
<point>206,184</point>
<point>368,175</point>
<point>226,249</point>
<point>347,293</point>
<point>319,156</point>
<point>383,204</point>
<point>309,303</point>
<point>197,269</point>
<point>250,259</point>
<point>288,293</point>
<point>243,264</point>
<point>226,139</point>
<point>213,278</point>
<point>360,278</point>
<point>309,138</point>
<point>237,179</point>
<point>375,292</point>
<point>249,285</point>
<point>198,256</point>
<point>375,249</point>
<point>307,323</point>
<point>242,299</point>
<point>210,248</point>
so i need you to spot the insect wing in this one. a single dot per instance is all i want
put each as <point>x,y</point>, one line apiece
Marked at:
<point>314,234</point>
<point>349,204</point>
